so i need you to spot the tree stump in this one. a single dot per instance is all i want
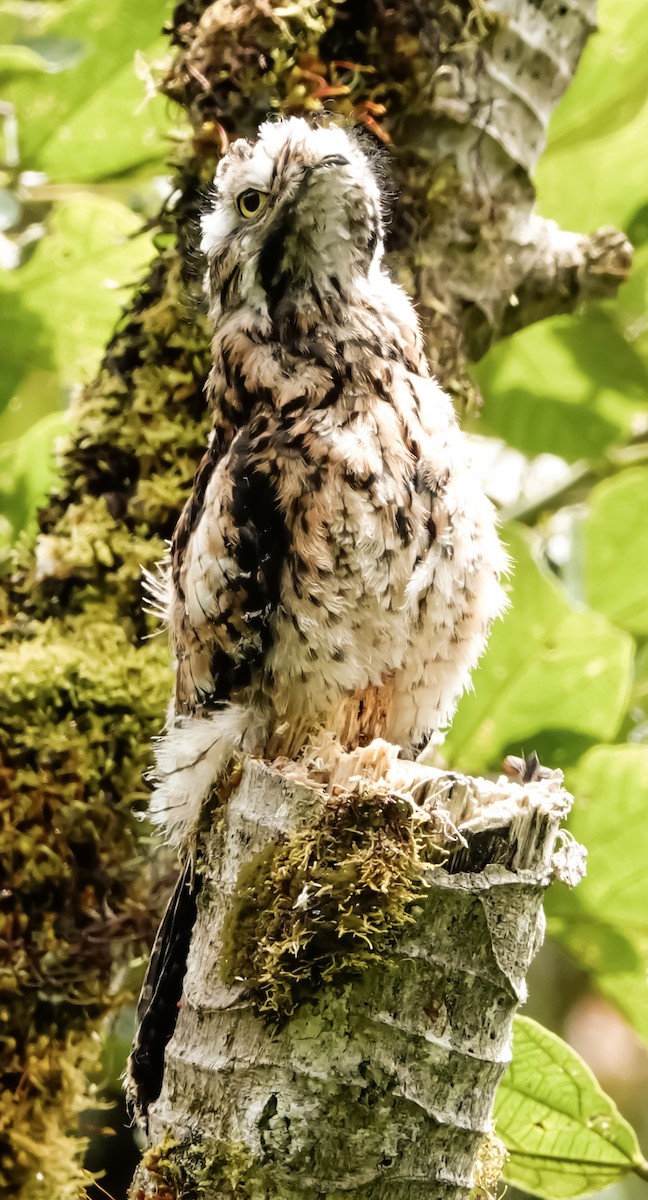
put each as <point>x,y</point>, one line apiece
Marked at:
<point>385,915</point>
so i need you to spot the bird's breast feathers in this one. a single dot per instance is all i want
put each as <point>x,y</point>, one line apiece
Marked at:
<point>320,543</point>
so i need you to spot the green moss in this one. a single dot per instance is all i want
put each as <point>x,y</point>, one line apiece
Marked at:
<point>82,692</point>
<point>198,1171</point>
<point>39,1156</point>
<point>79,704</point>
<point>326,904</point>
<point>216,1170</point>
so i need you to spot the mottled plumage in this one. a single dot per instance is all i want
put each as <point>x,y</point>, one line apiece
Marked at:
<point>337,565</point>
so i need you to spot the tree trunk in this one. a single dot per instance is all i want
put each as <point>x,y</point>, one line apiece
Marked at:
<point>462,91</point>
<point>352,980</point>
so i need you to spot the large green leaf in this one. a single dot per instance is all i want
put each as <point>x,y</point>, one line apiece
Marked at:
<point>590,173</point>
<point>58,310</point>
<point>87,117</point>
<point>26,474</point>
<point>565,1137</point>
<point>549,666</point>
<point>604,922</point>
<point>616,548</point>
<point>610,84</point>
<point>631,303</point>
<point>569,386</point>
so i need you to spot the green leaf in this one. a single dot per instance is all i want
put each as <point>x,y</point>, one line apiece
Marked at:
<point>16,59</point>
<point>616,550</point>
<point>569,386</point>
<point>550,665</point>
<point>59,308</point>
<point>565,1137</point>
<point>615,960</point>
<point>609,88</point>
<point>596,129</point>
<point>604,922</point>
<point>27,471</point>
<point>88,118</point>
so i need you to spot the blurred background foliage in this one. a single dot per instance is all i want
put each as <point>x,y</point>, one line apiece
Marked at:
<point>562,443</point>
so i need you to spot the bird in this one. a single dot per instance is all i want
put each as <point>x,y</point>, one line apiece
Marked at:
<point>337,566</point>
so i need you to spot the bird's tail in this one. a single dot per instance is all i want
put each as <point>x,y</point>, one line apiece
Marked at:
<point>157,1008</point>
<point>189,758</point>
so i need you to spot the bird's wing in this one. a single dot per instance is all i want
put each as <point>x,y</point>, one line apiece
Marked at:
<point>227,556</point>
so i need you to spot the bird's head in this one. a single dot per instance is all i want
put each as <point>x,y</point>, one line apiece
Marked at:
<point>298,209</point>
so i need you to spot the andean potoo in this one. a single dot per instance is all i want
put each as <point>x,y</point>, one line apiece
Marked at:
<point>337,566</point>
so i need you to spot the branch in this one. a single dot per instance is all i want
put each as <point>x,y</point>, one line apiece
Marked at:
<point>362,1051</point>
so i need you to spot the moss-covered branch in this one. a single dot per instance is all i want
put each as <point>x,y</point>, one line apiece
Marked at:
<point>462,94</point>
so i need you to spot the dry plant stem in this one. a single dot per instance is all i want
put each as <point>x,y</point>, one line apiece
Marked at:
<point>382,1084</point>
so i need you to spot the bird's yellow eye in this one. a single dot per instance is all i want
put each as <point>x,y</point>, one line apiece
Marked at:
<point>250,203</point>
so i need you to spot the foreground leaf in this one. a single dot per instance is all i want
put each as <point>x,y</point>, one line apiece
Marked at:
<point>570,386</point>
<point>90,121</point>
<point>550,666</point>
<point>595,131</point>
<point>588,112</point>
<point>565,1137</point>
<point>59,309</point>
<point>604,923</point>
<point>27,471</point>
<point>616,550</point>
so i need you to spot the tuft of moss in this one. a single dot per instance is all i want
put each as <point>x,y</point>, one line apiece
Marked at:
<point>37,1148</point>
<point>326,904</point>
<point>200,1170</point>
<point>78,706</point>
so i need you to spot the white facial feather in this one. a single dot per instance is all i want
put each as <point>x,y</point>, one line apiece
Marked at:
<point>189,757</point>
<point>287,163</point>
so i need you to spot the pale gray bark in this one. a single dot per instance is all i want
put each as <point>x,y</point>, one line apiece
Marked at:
<point>380,1085</point>
<point>483,261</point>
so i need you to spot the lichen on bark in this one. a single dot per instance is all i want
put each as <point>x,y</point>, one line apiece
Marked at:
<point>227,1171</point>
<point>460,92</point>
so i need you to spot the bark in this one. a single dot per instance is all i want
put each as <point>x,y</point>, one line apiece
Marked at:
<point>359,1056</point>
<point>461,91</point>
